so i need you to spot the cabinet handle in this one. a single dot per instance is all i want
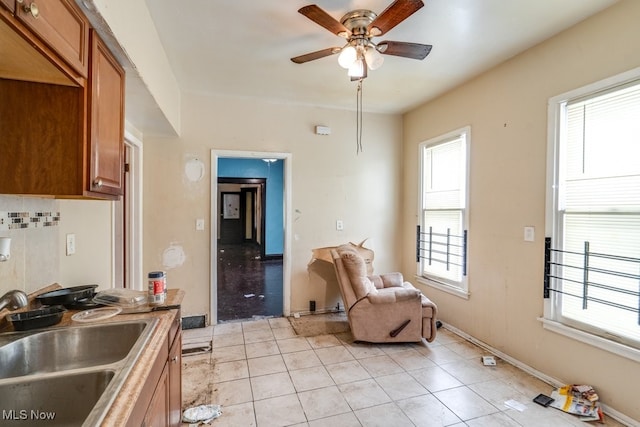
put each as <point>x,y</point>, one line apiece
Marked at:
<point>32,9</point>
<point>97,183</point>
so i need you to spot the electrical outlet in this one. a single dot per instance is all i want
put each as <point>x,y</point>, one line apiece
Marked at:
<point>339,225</point>
<point>71,244</point>
<point>529,234</point>
<point>199,224</point>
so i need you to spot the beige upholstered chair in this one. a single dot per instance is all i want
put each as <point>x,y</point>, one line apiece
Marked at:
<point>381,308</point>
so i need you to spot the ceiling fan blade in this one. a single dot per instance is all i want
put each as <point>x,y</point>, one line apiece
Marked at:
<point>397,12</point>
<point>407,50</point>
<point>325,20</point>
<point>315,55</point>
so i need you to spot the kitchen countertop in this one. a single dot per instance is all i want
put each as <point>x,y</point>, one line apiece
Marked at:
<point>128,395</point>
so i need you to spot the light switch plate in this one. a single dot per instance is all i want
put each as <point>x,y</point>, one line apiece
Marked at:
<point>199,224</point>
<point>71,244</point>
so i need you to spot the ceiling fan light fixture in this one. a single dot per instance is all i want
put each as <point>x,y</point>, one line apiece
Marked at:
<point>373,58</point>
<point>347,57</point>
<point>357,69</point>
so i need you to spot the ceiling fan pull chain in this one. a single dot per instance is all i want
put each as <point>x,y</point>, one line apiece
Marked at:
<point>359,117</point>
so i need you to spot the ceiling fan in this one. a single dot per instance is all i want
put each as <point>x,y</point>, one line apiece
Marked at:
<point>359,27</point>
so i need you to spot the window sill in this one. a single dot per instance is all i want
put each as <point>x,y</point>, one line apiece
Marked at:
<point>593,340</point>
<point>443,287</point>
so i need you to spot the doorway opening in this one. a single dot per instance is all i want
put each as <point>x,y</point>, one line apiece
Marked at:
<point>127,221</point>
<point>242,215</point>
<point>250,222</point>
<point>249,282</point>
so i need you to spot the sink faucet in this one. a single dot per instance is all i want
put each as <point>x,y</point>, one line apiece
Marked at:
<point>14,299</point>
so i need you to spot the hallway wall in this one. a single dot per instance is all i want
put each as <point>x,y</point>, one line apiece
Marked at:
<point>274,214</point>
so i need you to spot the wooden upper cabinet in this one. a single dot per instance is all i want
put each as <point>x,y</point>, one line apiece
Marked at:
<point>9,4</point>
<point>42,132</point>
<point>106,121</point>
<point>61,25</point>
<point>60,137</point>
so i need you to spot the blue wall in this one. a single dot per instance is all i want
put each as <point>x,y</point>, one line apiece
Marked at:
<point>274,173</point>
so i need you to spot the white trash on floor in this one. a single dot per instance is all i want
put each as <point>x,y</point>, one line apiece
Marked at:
<point>201,414</point>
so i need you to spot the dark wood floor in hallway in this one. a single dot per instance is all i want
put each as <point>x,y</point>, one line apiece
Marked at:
<point>248,286</point>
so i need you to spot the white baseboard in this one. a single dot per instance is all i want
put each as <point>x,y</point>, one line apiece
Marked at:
<point>326,310</point>
<point>610,412</point>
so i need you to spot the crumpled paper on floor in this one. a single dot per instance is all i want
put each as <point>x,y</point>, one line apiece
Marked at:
<point>201,414</point>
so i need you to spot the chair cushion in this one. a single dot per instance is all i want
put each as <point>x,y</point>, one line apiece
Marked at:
<point>357,271</point>
<point>393,295</point>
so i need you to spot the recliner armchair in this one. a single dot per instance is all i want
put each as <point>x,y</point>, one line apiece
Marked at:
<point>381,308</point>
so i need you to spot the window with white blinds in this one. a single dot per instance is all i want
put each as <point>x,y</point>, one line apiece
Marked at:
<point>443,205</point>
<point>596,236</point>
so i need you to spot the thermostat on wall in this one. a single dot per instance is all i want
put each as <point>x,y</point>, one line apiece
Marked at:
<point>323,130</point>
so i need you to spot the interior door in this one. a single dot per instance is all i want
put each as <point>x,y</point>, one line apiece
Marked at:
<point>231,225</point>
<point>249,214</point>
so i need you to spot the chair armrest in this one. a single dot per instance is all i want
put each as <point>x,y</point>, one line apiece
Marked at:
<point>388,280</point>
<point>393,295</point>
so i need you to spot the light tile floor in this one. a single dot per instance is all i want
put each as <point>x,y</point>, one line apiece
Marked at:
<point>263,375</point>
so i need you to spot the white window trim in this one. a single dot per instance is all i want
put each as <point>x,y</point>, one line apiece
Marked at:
<point>462,290</point>
<point>450,289</point>
<point>554,111</point>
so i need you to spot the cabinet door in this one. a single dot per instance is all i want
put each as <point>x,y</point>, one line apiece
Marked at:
<point>175,381</point>
<point>156,415</point>
<point>41,157</point>
<point>61,25</point>
<point>9,4</point>
<point>106,121</point>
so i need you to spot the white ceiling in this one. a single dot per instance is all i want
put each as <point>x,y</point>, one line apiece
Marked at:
<point>243,47</point>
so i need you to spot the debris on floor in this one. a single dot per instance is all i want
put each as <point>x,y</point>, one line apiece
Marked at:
<point>514,404</point>
<point>581,400</point>
<point>190,349</point>
<point>201,414</point>
<point>543,400</point>
<point>249,295</point>
<point>488,361</point>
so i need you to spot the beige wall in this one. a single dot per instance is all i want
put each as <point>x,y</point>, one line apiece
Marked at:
<point>507,111</point>
<point>91,222</point>
<point>330,182</point>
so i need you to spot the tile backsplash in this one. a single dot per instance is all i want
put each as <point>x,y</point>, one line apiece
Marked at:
<point>19,220</point>
<point>32,225</point>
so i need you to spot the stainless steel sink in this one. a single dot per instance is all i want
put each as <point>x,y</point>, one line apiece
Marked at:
<point>68,348</point>
<point>57,400</point>
<point>72,372</point>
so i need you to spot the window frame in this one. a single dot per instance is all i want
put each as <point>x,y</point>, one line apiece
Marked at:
<point>554,218</point>
<point>457,288</point>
